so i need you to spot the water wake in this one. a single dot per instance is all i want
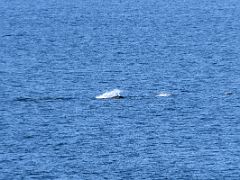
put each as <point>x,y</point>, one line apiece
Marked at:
<point>110,94</point>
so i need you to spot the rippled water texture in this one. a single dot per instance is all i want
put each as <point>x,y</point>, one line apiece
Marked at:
<point>177,62</point>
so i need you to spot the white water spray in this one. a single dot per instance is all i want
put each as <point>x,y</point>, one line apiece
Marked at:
<point>110,94</point>
<point>164,94</point>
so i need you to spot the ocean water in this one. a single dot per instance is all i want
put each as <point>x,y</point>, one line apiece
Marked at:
<point>177,63</point>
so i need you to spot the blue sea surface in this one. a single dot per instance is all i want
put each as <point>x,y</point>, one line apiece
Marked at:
<point>56,56</point>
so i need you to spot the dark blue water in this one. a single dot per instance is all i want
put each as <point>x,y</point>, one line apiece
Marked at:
<point>57,56</point>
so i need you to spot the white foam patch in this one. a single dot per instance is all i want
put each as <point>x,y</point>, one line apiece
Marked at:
<point>110,94</point>
<point>164,94</point>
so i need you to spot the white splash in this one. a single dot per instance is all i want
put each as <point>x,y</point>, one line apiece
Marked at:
<point>164,94</point>
<point>110,94</point>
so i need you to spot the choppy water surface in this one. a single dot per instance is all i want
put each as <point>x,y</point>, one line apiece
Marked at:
<point>178,66</point>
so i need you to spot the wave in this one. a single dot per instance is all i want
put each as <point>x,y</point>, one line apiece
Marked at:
<point>110,94</point>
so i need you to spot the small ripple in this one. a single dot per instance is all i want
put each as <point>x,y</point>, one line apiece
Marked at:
<point>7,35</point>
<point>29,99</point>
